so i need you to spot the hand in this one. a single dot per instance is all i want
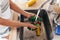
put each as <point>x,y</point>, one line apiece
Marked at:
<point>30,25</point>
<point>30,14</point>
<point>24,24</point>
<point>56,8</point>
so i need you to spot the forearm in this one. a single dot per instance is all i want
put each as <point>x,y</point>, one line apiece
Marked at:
<point>12,23</point>
<point>17,9</point>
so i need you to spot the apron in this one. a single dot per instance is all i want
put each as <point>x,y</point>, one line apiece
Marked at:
<point>6,14</point>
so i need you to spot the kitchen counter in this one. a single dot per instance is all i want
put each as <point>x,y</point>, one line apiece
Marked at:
<point>34,7</point>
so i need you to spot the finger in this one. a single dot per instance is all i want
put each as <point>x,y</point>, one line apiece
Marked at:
<point>32,26</point>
